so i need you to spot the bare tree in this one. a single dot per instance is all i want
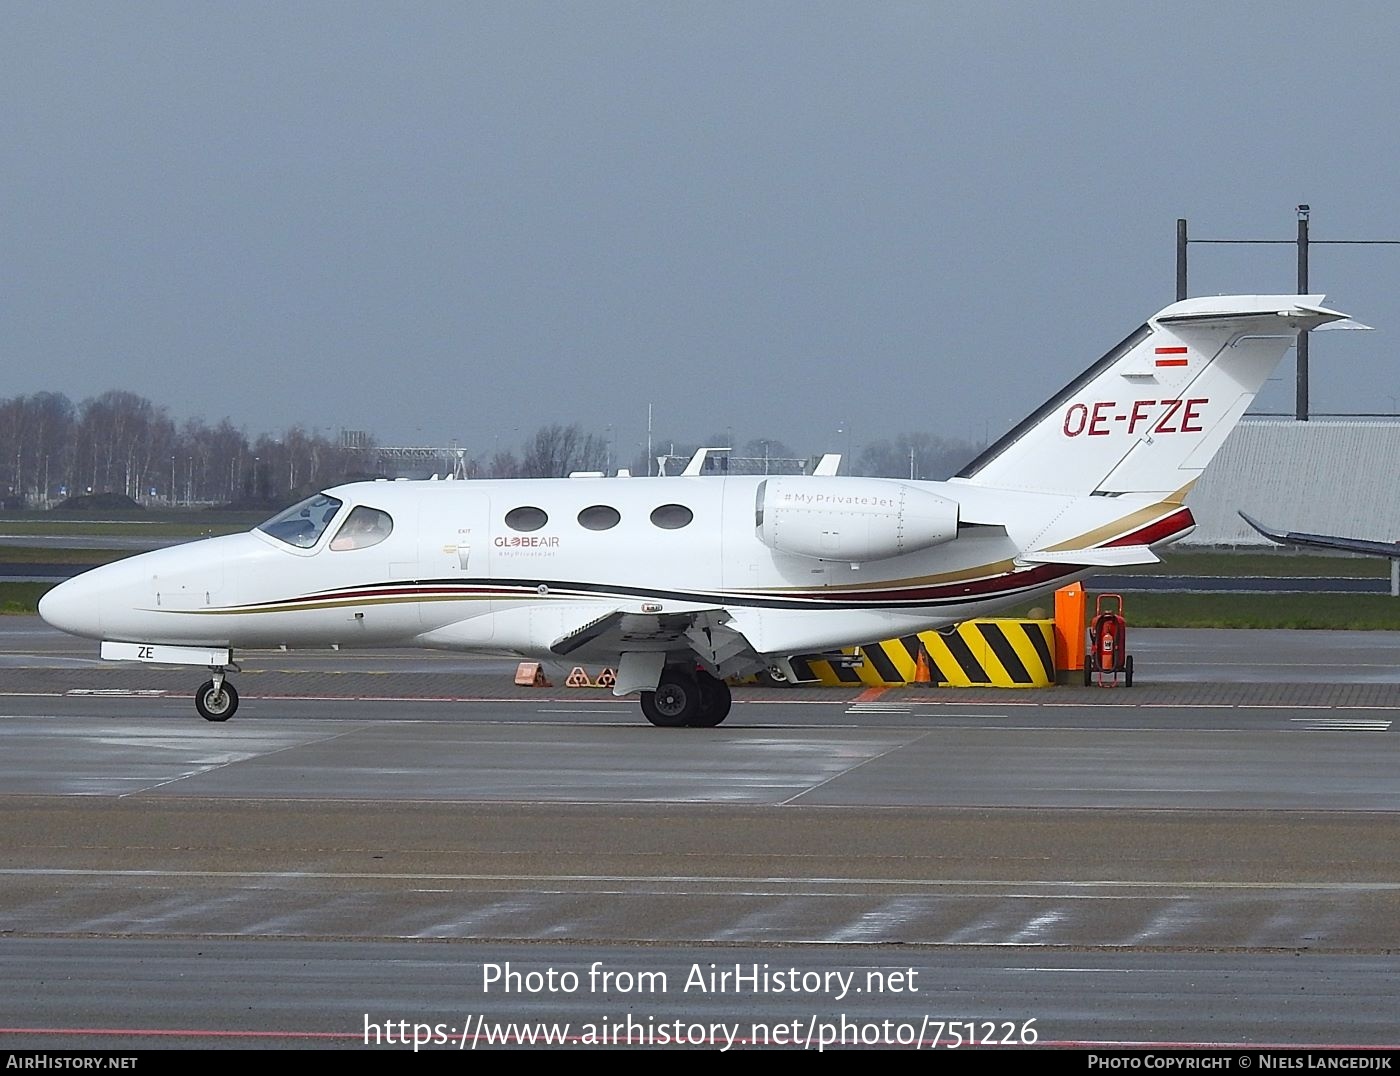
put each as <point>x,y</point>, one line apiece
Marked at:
<point>503,465</point>
<point>915,455</point>
<point>555,451</point>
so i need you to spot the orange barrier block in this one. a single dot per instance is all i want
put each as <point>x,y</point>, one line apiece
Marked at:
<point>1071,607</point>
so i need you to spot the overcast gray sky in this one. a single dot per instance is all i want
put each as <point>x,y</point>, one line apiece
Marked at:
<point>439,220</point>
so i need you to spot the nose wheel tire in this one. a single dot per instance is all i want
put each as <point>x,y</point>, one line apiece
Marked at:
<point>216,702</point>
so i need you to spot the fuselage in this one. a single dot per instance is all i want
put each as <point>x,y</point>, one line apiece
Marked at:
<point>514,565</point>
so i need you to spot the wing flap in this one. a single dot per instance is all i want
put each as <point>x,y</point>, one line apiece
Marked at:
<point>1117,556</point>
<point>586,633</point>
<point>705,634</point>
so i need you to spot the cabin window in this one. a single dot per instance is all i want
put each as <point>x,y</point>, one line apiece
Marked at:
<point>671,517</point>
<point>599,517</point>
<point>526,519</point>
<point>362,528</point>
<point>303,523</point>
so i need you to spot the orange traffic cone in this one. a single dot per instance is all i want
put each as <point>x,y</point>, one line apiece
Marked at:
<point>922,673</point>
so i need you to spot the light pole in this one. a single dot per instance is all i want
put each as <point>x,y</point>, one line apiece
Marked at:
<point>1302,242</point>
<point>1301,399</point>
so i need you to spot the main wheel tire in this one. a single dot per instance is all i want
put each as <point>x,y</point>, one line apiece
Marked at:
<point>216,703</point>
<point>674,703</point>
<point>715,701</point>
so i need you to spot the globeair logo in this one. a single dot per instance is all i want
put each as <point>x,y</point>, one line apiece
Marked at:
<point>520,541</point>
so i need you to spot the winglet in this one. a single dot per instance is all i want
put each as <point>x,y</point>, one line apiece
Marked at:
<point>1273,536</point>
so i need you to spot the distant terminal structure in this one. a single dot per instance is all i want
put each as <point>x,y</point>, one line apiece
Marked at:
<point>722,460</point>
<point>1328,475</point>
<point>411,461</point>
<point>407,461</point>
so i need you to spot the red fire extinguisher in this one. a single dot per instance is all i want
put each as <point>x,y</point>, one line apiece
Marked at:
<point>1108,643</point>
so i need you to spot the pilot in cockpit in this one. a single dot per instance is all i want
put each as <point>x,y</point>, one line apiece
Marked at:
<point>364,527</point>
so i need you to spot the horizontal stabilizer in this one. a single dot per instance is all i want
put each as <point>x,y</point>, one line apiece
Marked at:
<point>1327,541</point>
<point>1117,556</point>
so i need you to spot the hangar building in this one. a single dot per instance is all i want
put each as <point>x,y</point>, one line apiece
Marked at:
<point>1324,476</point>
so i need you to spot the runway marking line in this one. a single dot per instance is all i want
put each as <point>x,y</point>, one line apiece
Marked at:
<point>118,692</point>
<point>1052,886</point>
<point>1290,706</point>
<point>924,705</point>
<point>613,713</point>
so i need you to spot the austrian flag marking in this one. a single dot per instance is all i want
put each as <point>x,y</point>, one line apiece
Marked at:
<point>1171,356</point>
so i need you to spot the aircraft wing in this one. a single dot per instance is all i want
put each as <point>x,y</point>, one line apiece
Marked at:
<point>1326,541</point>
<point>705,632</point>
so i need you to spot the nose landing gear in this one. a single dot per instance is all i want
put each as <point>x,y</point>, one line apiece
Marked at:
<point>216,700</point>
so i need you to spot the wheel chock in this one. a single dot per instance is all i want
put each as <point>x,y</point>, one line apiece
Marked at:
<point>578,678</point>
<point>530,674</point>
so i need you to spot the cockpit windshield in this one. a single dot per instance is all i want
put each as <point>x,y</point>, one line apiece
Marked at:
<point>303,524</point>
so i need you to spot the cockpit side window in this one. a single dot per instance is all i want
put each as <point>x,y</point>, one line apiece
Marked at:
<point>302,524</point>
<point>362,528</point>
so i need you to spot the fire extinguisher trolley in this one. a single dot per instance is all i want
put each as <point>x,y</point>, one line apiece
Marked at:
<point>1107,653</point>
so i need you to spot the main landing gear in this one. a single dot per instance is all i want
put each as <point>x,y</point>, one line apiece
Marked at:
<point>684,698</point>
<point>216,700</point>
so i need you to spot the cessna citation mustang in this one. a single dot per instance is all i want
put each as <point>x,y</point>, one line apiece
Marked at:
<point>681,583</point>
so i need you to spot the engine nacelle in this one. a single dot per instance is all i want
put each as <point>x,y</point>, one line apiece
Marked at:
<point>854,519</point>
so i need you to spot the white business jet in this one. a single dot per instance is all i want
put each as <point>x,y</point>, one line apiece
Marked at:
<point>681,583</point>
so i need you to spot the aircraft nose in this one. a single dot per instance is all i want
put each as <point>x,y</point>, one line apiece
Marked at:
<point>70,607</point>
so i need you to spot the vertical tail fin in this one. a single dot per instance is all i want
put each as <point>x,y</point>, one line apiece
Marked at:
<point>1150,414</point>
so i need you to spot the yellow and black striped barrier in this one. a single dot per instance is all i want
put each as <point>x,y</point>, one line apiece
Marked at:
<point>978,653</point>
